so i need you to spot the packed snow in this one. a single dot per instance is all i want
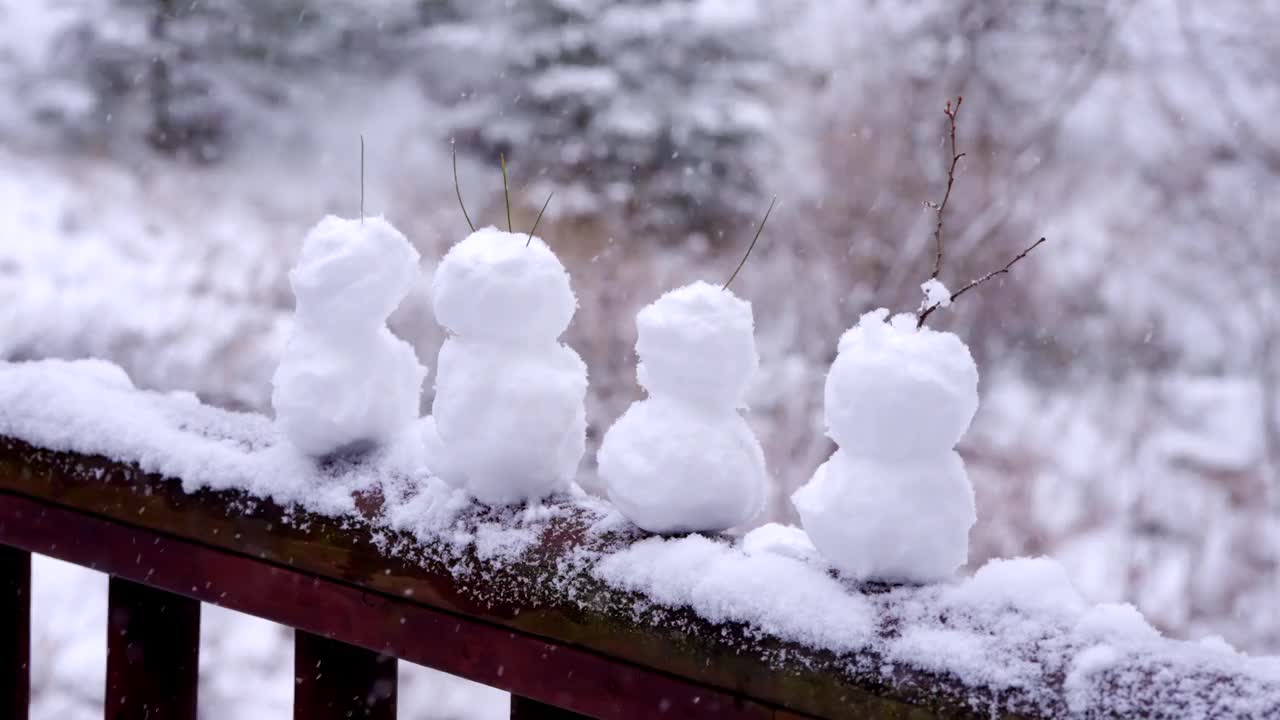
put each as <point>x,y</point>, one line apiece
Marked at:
<point>684,459</point>
<point>935,294</point>
<point>509,415</point>
<point>894,503</point>
<point>1017,635</point>
<point>345,381</point>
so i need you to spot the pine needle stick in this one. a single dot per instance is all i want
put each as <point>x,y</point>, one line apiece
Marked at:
<point>750,247</point>
<point>539,219</point>
<point>457,189</point>
<point>506,193</point>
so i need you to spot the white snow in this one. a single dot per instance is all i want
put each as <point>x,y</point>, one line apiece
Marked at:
<point>671,468</point>
<point>697,343</point>
<point>500,286</point>
<point>684,459</point>
<point>894,503</point>
<point>898,520</point>
<point>935,294</point>
<point>786,540</point>
<point>895,391</point>
<point>509,410</point>
<point>345,380</point>
<point>1017,635</point>
<point>723,585</point>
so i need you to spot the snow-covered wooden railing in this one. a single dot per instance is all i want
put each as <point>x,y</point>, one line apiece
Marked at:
<point>357,608</point>
<point>537,621</point>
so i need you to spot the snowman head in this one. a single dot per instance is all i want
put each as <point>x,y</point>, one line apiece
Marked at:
<point>697,343</point>
<point>497,285</point>
<point>352,273</point>
<point>895,391</point>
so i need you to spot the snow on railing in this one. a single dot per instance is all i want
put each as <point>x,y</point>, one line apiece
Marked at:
<point>560,601</point>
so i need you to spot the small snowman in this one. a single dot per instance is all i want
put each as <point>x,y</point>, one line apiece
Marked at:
<point>684,459</point>
<point>894,502</point>
<point>509,416</point>
<point>346,383</point>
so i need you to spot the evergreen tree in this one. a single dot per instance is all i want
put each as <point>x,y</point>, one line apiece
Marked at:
<point>651,108</point>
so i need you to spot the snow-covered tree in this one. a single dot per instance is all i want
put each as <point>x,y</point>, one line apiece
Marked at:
<point>655,108</point>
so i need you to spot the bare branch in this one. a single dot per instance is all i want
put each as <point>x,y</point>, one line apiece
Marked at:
<point>750,247</point>
<point>975,283</point>
<point>362,178</point>
<point>457,189</point>
<point>941,207</point>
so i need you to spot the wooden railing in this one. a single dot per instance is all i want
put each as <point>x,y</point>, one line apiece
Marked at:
<point>357,610</point>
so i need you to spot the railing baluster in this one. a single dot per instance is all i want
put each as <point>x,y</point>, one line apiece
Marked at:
<point>336,680</point>
<point>153,653</point>
<point>523,708</point>
<point>15,632</point>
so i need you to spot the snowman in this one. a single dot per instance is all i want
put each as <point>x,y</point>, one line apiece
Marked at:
<point>346,383</point>
<point>894,502</point>
<point>509,418</point>
<point>684,459</point>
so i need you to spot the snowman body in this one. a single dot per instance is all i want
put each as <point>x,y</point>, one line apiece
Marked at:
<point>345,382</point>
<point>894,503</point>
<point>684,459</point>
<point>509,409</point>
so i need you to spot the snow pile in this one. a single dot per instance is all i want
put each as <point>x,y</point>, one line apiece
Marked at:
<point>1017,637</point>
<point>90,407</point>
<point>723,584</point>
<point>684,459</point>
<point>935,294</point>
<point>346,382</point>
<point>894,502</point>
<point>509,410</point>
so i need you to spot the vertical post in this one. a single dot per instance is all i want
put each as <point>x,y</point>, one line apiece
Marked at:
<point>336,680</point>
<point>523,708</point>
<point>153,653</point>
<point>15,632</point>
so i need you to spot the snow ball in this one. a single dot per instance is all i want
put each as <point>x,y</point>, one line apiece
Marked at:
<point>491,286</point>
<point>935,293</point>
<point>1115,621</point>
<point>697,343</point>
<point>901,521</point>
<point>673,469</point>
<point>1033,585</point>
<point>511,424</point>
<point>895,391</point>
<point>352,272</point>
<point>333,398</point>
<point>786,540</point>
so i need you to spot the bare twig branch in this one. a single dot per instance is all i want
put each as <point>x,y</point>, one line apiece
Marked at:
<point>750,247</point>
<point>975,283</point>
<point>506,193</point>
<point>362,178</point>
<point>538,219</point>
<point>941,207</point>
<point>457,189</point>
